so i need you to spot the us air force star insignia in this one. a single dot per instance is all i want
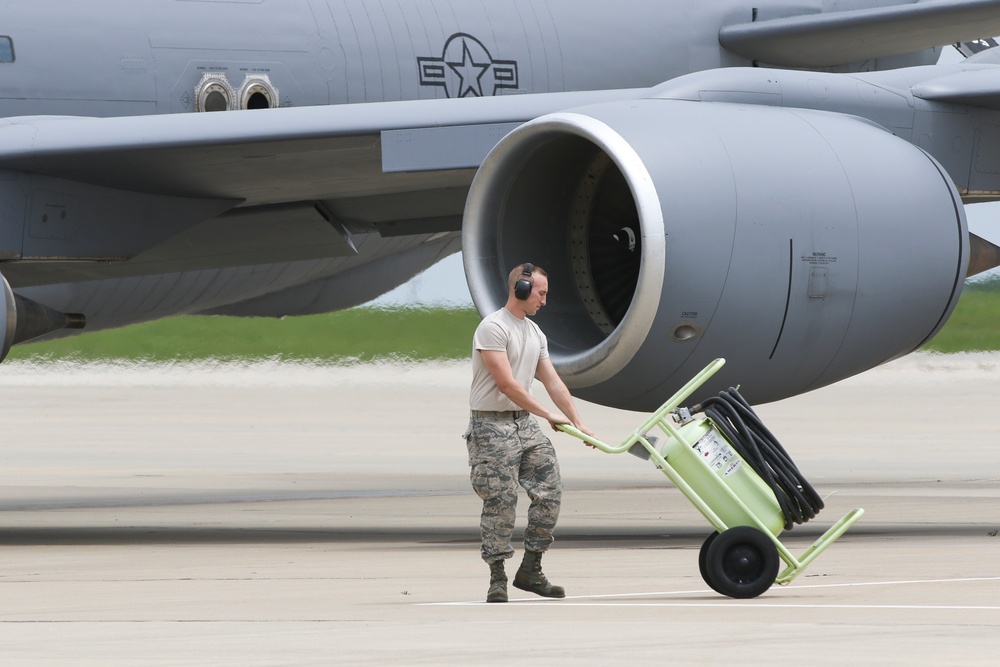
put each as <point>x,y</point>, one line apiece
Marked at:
<point>466,67</point>
<point>469,72</point>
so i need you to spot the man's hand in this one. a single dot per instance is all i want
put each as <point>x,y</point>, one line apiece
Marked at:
<point>586,431</point>
<point>555,418</point>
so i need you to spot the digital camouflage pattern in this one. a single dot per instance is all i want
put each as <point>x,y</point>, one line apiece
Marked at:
<point>502,454</point>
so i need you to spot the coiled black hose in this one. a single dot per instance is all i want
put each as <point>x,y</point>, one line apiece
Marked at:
<point>741,426</point>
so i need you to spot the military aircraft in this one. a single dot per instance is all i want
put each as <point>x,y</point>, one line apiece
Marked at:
<point>777,182</point>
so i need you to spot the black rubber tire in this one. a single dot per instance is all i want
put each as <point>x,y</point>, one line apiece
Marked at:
<point>703,558</point>
<point>742,562</point>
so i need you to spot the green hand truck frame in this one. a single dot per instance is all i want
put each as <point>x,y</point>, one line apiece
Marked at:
<point>741,558</point>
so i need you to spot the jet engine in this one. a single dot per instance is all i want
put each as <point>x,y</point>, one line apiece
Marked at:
<point>22,319</point>
<point>802,246</point>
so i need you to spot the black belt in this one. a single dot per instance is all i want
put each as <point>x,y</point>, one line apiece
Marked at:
<point>500,414</point>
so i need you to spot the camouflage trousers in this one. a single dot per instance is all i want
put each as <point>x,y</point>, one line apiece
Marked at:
<point>505,452</point>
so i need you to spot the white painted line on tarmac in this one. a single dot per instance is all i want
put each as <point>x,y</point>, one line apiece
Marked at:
<point>595,600</point>
<point>892,583</point>
<point>728,602</point>
<point>758,603</point>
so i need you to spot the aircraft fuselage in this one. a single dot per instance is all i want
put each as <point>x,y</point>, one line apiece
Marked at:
<point>150,56</point>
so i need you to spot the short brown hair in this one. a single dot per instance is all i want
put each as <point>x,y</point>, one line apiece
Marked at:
<point>515,273</point>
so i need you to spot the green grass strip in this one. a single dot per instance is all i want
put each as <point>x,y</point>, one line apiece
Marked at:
<point>975,324</point>
<point>368,334</point>
<point>355,335</point>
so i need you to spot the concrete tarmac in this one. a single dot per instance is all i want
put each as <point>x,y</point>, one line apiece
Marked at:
<point>291,515</point>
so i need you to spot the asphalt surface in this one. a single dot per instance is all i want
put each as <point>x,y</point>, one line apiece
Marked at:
<point>289,515</point>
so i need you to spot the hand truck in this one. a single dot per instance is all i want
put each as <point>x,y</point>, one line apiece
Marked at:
<point>741,558</point>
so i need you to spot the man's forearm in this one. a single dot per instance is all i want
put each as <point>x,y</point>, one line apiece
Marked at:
<point>524,400</point>
<point>564,401</point>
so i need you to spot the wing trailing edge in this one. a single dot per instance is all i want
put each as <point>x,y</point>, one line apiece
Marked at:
<point>839,38</point>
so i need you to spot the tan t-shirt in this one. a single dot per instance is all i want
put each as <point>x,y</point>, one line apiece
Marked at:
<point>525,345</point>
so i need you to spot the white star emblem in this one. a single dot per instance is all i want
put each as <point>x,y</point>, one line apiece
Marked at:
<point>469,73</point>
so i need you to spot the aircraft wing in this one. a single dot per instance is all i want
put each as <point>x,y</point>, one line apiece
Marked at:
<point>275,156</point>
<point>836,38</point>
<point>192,191</point>
<point>976,87</point>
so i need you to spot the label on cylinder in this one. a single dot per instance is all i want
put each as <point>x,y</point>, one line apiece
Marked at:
<point>717,453</point>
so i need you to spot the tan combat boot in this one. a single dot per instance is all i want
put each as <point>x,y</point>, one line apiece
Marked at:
<point>498,583</point>
<point>529,577</point>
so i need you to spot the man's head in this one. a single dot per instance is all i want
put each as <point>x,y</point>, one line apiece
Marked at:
<point>528,287</point>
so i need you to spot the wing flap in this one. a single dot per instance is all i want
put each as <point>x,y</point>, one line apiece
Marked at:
<point>439,148</point>
<point>839,38</point>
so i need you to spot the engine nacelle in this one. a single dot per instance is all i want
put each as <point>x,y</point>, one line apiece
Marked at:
<point>22,319</point>
<point>8,318</point>
<point>802,246</point>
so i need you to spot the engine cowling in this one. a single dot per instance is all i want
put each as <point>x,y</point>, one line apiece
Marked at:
<point>22,319</point>
<point>8,318</point>
<point>802,246</point>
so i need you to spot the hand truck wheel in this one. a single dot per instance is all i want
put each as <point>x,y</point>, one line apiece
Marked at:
<point>703,559</point>
<point>742,562</point>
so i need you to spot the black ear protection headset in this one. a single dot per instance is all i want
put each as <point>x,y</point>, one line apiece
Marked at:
<point>522,288</point>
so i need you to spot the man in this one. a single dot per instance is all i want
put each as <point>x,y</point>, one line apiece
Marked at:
<point>506,445</point>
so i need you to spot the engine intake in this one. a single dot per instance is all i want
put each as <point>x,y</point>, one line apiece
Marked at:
<point>802,246</point>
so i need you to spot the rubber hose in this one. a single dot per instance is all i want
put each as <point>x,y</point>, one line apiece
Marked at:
<point>741,426</point>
